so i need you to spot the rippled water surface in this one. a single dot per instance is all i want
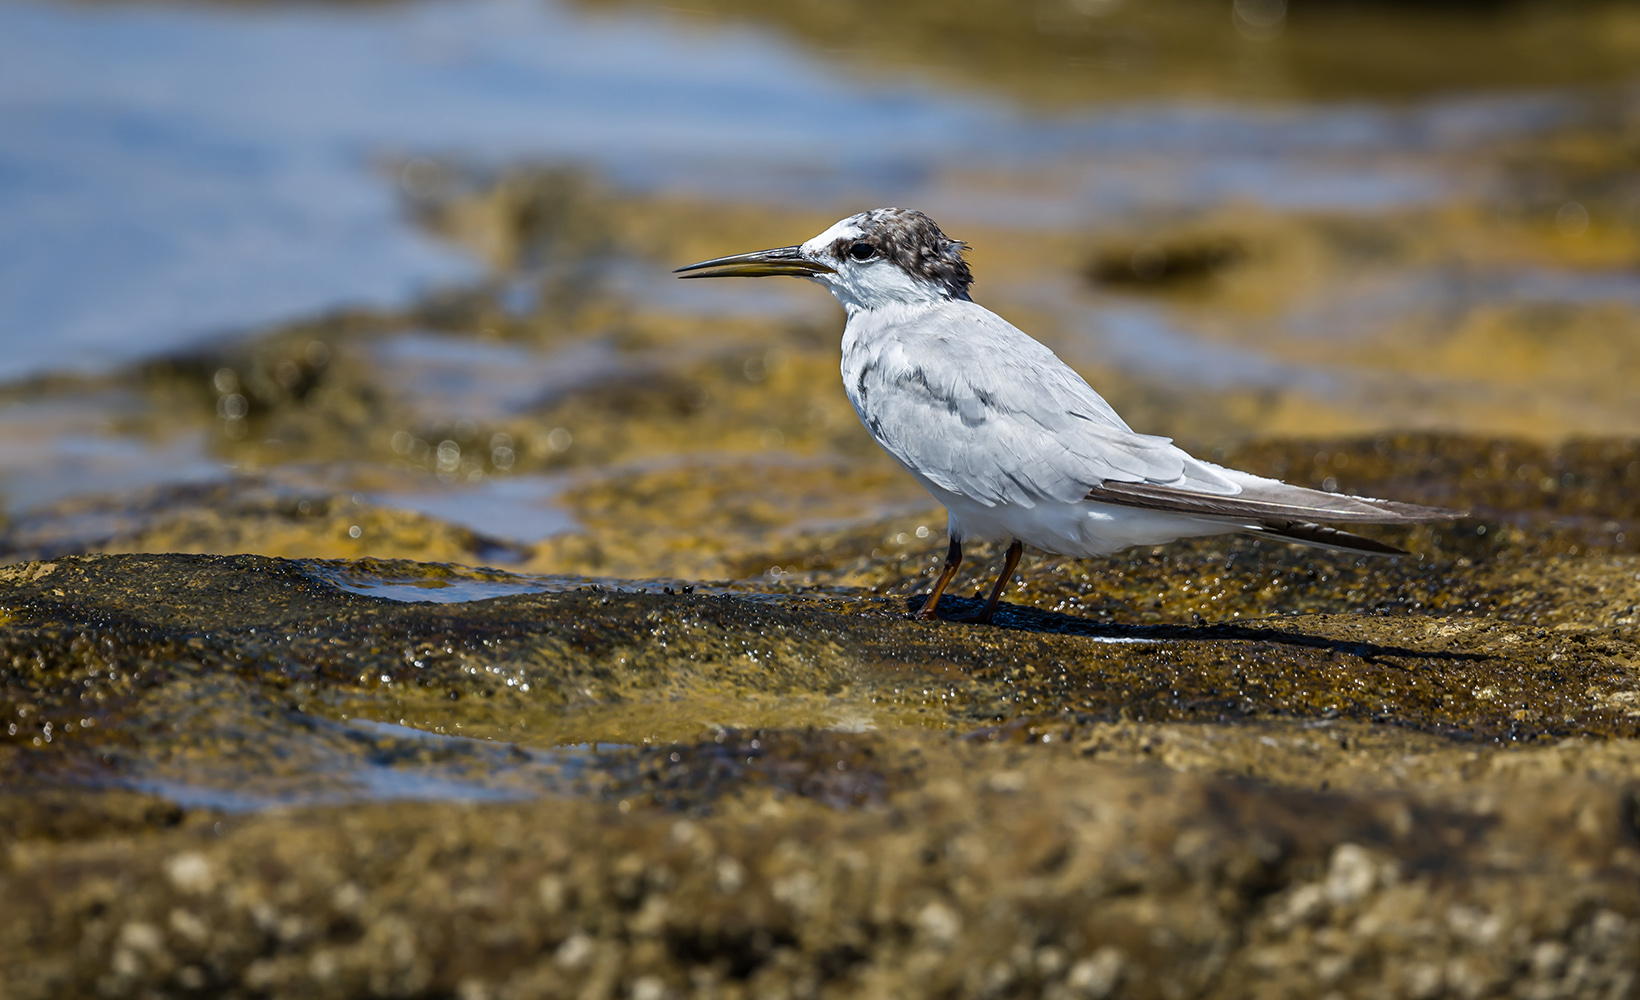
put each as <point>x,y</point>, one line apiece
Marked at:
<point>393,279</point>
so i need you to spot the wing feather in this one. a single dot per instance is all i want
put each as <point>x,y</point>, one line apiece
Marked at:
<point>976,407</point>
<point>1269,500</point>
<point>971,404</point>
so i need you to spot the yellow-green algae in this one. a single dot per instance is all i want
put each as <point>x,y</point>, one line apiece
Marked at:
<point>1292,773</point>
<point>1216,768</point>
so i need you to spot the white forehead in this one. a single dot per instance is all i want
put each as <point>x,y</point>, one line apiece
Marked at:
<point>847,229</point>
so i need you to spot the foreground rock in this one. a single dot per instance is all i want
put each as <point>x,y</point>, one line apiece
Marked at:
<point>1398,779</point>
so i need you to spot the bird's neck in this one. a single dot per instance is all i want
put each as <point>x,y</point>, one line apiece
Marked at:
<point>885,323</point>
<point>889,311</point>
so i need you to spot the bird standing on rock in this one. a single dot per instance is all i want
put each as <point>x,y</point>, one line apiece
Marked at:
<point>1015,444</point>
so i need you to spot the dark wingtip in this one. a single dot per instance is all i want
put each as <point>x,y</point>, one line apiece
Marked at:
<point>1412,512</point>
<point>1323,537</point>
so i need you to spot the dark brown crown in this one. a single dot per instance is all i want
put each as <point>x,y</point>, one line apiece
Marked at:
<point>912,241</point>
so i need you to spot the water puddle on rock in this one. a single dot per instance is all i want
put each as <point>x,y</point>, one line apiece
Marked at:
<point>458,378</point>
<point>452,585</point>
<point>361,760</point>
<point>517,509</point>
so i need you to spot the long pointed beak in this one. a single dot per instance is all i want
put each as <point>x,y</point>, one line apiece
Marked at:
<point>762,264</point>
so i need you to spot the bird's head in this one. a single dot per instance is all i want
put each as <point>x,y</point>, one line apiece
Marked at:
<point>883,257</point>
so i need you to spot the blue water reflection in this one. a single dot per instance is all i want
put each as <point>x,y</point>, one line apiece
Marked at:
<point>169,172</point>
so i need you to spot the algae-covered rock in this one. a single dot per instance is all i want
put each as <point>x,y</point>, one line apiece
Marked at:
<point>1216,768</point>
<point>574,656</point>
<point>359,764</point>
<point>686,740</point>
<point>1004,873</point>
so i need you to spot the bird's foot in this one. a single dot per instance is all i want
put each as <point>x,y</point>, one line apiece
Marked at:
<point>928,613</point>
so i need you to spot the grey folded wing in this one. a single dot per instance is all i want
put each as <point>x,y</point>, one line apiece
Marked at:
<point>1265,501</point>
<point>986,413</point>
<point>974,406</point>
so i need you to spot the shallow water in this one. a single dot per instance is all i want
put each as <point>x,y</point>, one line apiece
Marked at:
<point>180,170</point>
<point>372,762</point>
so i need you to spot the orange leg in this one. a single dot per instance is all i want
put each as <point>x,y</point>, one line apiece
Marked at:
<point>1008,565</point>
<point>953,559</point>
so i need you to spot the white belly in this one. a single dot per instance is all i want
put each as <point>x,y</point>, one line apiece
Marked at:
<point>1079,529</point>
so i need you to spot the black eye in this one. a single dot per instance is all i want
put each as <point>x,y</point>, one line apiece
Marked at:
<point>862,251</point>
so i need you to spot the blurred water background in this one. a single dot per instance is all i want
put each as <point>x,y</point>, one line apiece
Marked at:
<point>392,279</point>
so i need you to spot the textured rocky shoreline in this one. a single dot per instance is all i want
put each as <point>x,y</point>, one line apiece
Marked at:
<point>1219,768</point>
<point>686,741</point>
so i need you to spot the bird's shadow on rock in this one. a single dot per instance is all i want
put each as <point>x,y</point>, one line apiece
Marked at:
<point>1026,619</point>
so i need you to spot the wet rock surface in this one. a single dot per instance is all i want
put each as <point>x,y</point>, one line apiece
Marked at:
<point>687,741</point>
<point>574,659</point>
<point>1217,768</point>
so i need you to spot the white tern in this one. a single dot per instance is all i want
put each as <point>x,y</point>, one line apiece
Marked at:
<point>1015,444</point>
